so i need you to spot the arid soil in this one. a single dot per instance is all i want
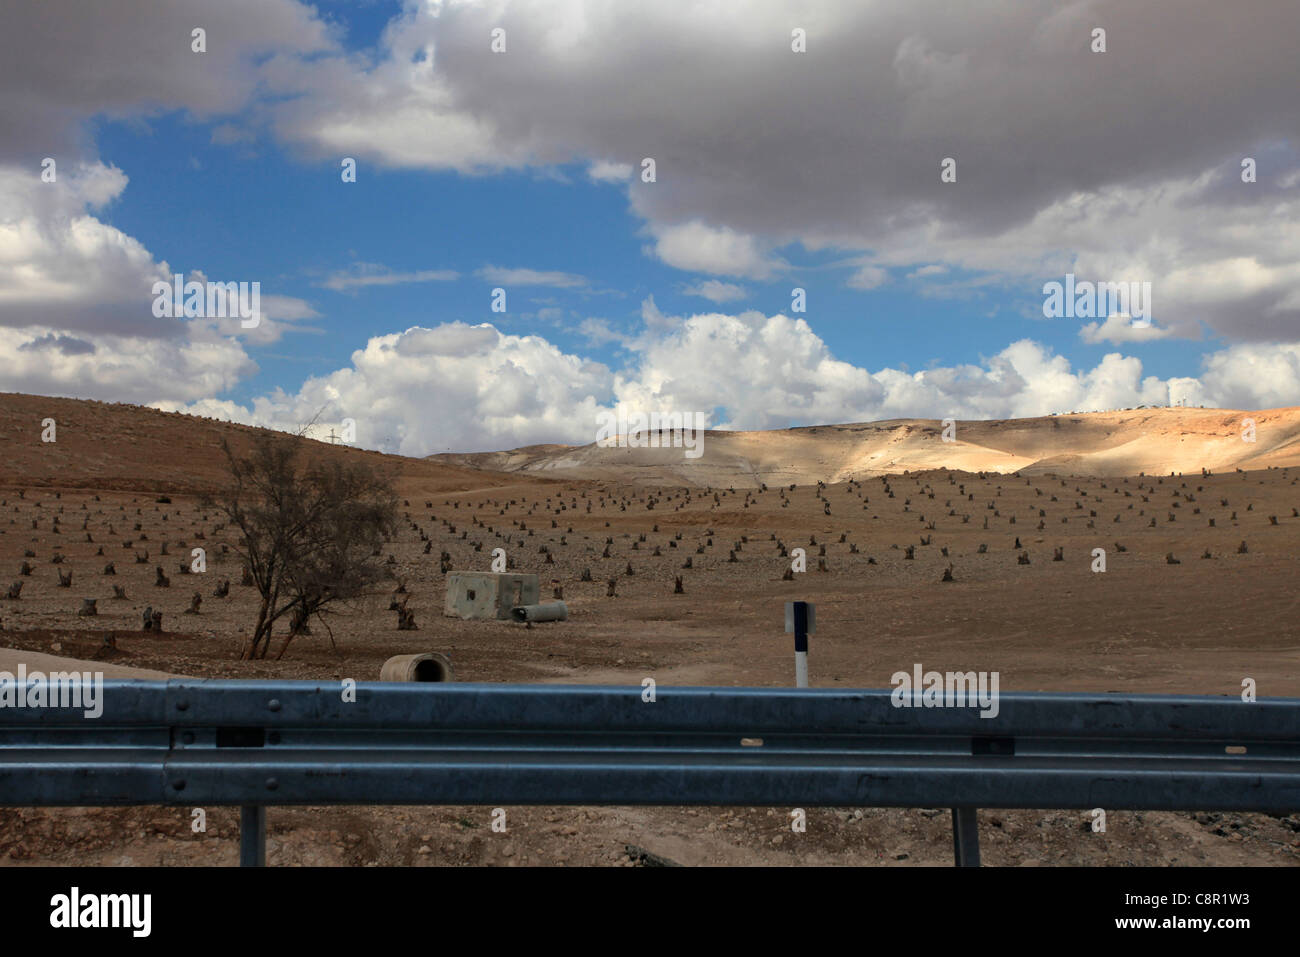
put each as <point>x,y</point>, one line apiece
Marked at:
<point>1201,626</point>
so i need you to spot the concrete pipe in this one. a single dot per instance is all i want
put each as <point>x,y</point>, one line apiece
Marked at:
<point>551,611</point>
<point>426,667</point>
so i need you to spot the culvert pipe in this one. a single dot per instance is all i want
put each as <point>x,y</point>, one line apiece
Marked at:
<point>430,666</point>
<point>551,611</point>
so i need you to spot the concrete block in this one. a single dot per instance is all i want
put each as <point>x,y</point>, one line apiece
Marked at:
<point>488,594</point>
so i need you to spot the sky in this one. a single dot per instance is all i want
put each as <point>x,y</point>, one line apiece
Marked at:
<point>854,211</point>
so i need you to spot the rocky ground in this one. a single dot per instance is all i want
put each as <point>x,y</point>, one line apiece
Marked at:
<point>1218,616</point>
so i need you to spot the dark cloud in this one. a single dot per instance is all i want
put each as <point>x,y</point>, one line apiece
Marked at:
<point>1063,154</point>
<point>67,345</point>
<point>63,61</point>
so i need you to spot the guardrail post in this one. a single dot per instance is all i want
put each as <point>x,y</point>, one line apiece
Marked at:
<point>252,835</point>
<point>965,837</point>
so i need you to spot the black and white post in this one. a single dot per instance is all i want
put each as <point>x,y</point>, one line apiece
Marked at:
<point>801,619</point>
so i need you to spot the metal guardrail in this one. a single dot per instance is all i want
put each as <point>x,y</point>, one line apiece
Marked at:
<point>262,743</point>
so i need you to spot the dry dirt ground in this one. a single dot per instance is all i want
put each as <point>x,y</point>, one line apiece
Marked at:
<point>1200,626</point>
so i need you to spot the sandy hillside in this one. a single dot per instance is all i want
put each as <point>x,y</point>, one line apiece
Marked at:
<point>1154,441</point>
<point>104,445</point>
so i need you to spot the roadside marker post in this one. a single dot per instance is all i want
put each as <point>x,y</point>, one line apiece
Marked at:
<point>801,619</point>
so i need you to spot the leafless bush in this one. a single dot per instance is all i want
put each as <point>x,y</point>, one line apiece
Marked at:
<point>306,530</point>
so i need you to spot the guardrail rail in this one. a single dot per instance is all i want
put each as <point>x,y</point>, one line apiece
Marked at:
<point>264,743</point>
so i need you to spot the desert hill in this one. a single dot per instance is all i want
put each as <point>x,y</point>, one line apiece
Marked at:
<point>116,446</point>
<point>1154,441</point>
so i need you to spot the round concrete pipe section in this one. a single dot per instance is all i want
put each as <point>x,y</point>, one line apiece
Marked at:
<point>430,666</point>
<point>551,611</point>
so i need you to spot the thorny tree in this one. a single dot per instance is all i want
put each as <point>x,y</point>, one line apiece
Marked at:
<point>307,528</point>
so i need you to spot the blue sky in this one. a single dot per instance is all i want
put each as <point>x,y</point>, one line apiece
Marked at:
<point>292,221</point>
<point>520,171</point>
